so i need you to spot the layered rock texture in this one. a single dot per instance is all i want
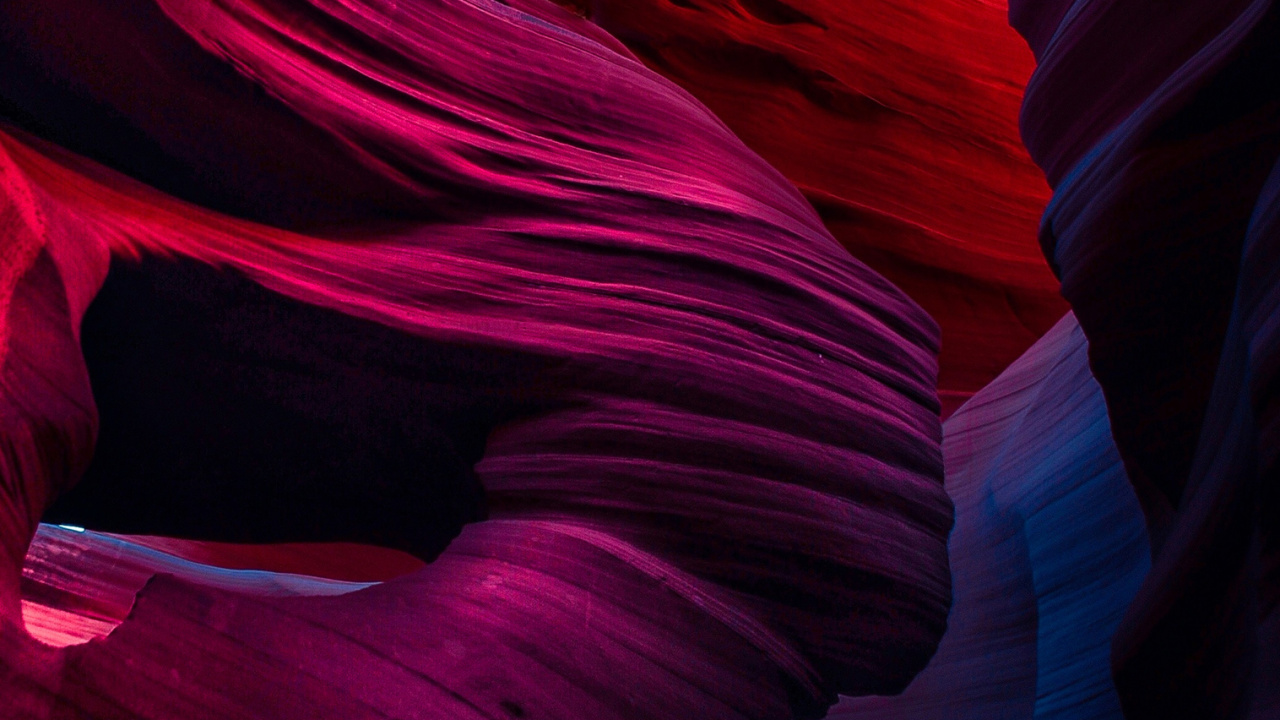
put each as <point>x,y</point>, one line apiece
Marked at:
<point>897,120</point>
<point>1048,550</point>
<point>1159,134</point>
<point>464,281</point>
<point>1162,228</point>
<point>452,359</point>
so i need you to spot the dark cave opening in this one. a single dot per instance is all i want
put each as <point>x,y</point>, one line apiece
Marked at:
<point>230,412</point>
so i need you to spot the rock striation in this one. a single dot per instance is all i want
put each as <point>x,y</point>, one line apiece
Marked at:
<point>1162,231</point>
<point>897,120</point>
<point>1049,548</point>
<point>673,425</point>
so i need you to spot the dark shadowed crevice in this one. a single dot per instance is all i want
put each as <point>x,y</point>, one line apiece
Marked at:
<point>776,12</point>
<point>230,412</point>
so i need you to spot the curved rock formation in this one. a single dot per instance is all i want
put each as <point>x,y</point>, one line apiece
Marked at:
<point>897,120</point>
<point>79,585</point>
<point>1162,230</point>
<point>1048,550</point>
<point>707,438</point>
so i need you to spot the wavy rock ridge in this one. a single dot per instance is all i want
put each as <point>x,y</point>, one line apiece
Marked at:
<point>897,120</point>
<point>716,462</point>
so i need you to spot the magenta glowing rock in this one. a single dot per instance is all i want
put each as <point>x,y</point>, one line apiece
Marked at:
<point>1048,550</point>
<point>519,289</point>
<point>590,413</point>
<point>898,121</point>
